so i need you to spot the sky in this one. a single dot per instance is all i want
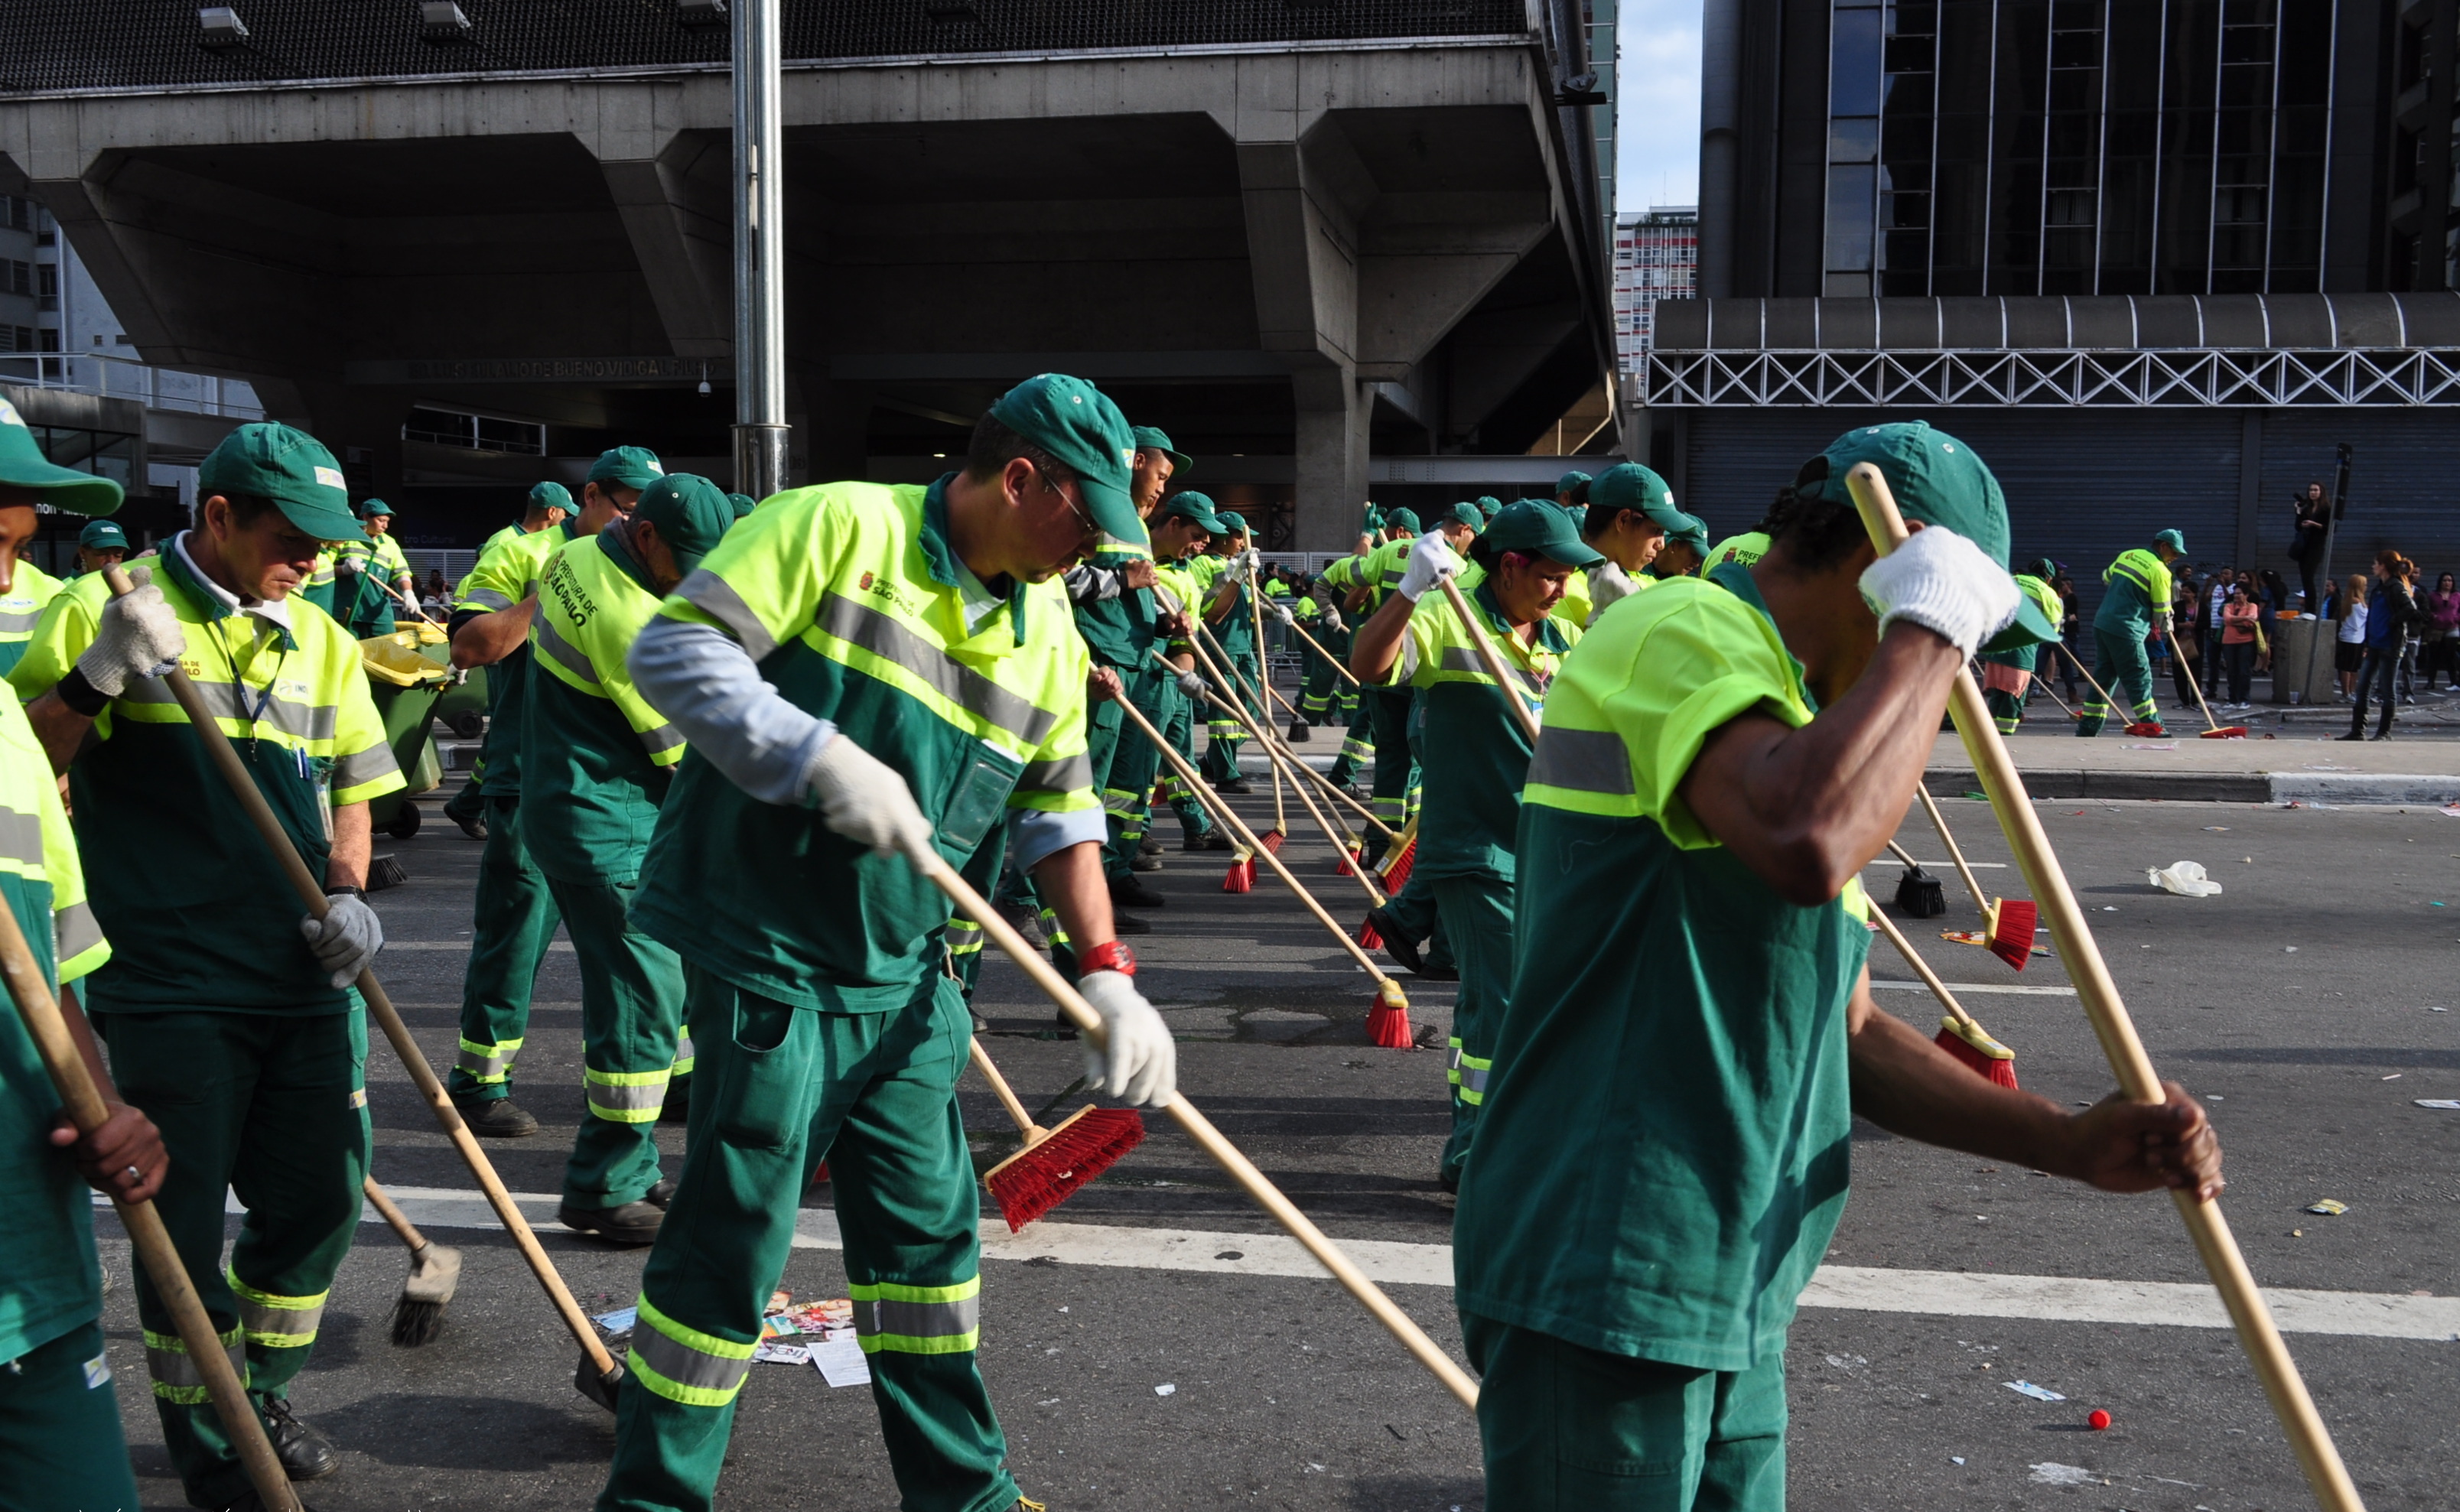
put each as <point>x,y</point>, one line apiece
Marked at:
<point>1657,122</point>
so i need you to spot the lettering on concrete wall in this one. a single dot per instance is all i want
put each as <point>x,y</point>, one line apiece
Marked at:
<point>538,370</point>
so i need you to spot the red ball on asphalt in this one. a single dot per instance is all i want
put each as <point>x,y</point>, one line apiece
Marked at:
<point>2099,1419</point>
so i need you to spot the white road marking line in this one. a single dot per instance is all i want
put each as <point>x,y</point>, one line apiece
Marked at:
<point>565,946</point>
<point>1856,1289</point>
<point>2005,989</point>
<point>1884,860</point>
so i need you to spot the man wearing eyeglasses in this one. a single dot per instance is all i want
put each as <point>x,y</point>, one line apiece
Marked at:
<point>870,678</point>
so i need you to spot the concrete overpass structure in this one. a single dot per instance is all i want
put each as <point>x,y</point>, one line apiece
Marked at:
<point>1310,239</point>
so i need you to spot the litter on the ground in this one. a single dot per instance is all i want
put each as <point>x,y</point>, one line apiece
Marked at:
<point>617,1321</point>
<point>2096,1420</point>
<point>2438,1010</point>
<point>1978,797</point>
<point>2054,1473</point>
<point>777,1351</point>
<point>2216,829</point>
<point>2109,907</point>
<point>1956,1459</point>
<point>2025,1387</point>
<point>1166,1389</point>
<point>2154,745</point>
<point>2185,878</point>
<point>2330,1207</point>
<point>2449,810</point>
<point>2447,1104</point>
<point>842,1360</point>
<point>2394,1077</point>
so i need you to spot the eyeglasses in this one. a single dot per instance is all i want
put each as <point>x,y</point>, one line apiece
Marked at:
<point>1084,517</point>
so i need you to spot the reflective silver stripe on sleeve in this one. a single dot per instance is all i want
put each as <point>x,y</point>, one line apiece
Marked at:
<point>1584,761</point>
<point>361,767</point>
<point>918,1319</point>
<point>661,739</point>
<point>75,931</point>
<point>566,654</point>
<point>1465,659</point>
<point>486,599</point>
<point>716,598</point>
<point>1066,775</point>
<point>21,838</point>
<point>874,632</point>
<point>686,1366</point>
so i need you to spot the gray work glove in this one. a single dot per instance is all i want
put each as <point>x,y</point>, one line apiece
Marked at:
<point>136,636</point>
<point>1139,1062</point>
<point>345,940</point>
<point>1192,687</point>
<point>865,800</point>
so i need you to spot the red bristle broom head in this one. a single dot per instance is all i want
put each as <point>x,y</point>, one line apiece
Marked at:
<point>1049,1171</point>
<point>2147,729</point>
<point>1986,1058</point>
<point>1388,1022</point>
<point>1370,937</point>
<point>1273,840</point>
<point>2224,732</point>
<point>2013,924</point>
<point>1349,862</point>
<point>1398,873</point>
<point>1241,876</point>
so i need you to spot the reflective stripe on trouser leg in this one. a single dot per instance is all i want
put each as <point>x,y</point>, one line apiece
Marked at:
<point>175,1373</point>
<point>684,1054</point>
<point>268,1317</point>
<point>918,1320</point>
<point>631,1022</point>
<point>1478,919</point>
<point>487,1064</point>
<point>1133,768</point>
<point>1396,770</point>
<point>513,919</point>
<point>875,1093</point>
<point>2007,709</point>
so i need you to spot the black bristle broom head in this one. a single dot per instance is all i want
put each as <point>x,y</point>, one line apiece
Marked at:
<point>1918,895</point>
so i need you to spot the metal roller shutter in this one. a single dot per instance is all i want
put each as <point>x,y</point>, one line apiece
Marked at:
<point>2082,485</point>
<point>2404,483</point>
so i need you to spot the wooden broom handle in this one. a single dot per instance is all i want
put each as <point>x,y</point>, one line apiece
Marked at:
<point>1209,1138</point>
<point>1247,837</point>
<point>390,1211</point>
<point>2299,1422</point>
<point>1921,969</point>
<point>1939,822</point>
<point>30,988</point>
<point>1494,659</point>
<point>2090,680</point>
<point>1318,647</point>
<point>1033,1132</point>
<point>1279,756</point>
<point>380,1008</point>
<point>1265,675</point>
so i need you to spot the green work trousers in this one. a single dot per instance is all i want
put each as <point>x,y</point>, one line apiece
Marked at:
<point>1417,910</point>
<point>1224,735</point>
<point>1358,741</point>
<point>511,926</point>
<point>1127,791</point>
<point>1106,736</point>
<point>631,1023</point>
<point>1396,766</point>
<point>1478,909</point>
<point>61,1444</point>
<point>1194,822</point>
<point>1325,696</point>
<point>468,803</point>
<point>273,1109</point>
<point>1567,1429</point>
<point>2120,665</point>
<point>875,1095</point>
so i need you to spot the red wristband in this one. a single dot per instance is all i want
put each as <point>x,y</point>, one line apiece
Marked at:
<point>1108,955</point>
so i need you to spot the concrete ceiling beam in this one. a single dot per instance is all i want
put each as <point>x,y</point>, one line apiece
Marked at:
<point>674,209</point>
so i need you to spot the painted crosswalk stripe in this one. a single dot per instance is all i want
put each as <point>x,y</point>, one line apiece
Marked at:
<point>1858,1289</point>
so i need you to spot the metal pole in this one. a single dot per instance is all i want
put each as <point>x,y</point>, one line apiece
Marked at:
<point>759,254</point>
<point>2324,577</point>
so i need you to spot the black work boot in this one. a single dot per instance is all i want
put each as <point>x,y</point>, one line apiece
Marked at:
<point>1134,891</point>
<point>1397,943</point>
<point>661,1194</point>
<point>634,1223</point>
<point>495,1118</point>
<point>306,1455</point>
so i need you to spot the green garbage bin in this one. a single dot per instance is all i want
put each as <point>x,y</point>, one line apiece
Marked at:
<point>406,684</point>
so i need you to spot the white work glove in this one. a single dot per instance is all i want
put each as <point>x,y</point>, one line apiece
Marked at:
<point>345,940</point>
<point>1281,614</point>
<point>1432,558</point>
<point>136,636</point>
<point>1237,571</point>
<point>346,564</point>
<point>863,799</point>
<point>1139,1062</point>
<point>1192,687</point>
<point>1942,582</point>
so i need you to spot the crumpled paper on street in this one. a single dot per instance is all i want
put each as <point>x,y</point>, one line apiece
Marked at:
<point>2186,879</point>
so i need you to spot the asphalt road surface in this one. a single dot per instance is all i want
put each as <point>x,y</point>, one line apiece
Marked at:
<point>1153,1345</point>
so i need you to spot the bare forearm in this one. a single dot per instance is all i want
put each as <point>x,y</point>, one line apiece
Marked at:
<point>353,840</point>
<point>1908,1085</point>
<point>59,727</point>
<point>1070,881</point>
<point>1377,644</point>
<point>491,637</point>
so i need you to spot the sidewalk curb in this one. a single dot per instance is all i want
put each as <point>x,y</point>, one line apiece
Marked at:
<point>2277,787</point>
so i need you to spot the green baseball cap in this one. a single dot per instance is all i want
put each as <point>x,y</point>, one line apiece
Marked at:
<point>1569,481</point>
<point>1489,504</point>
<point>1539,527</point>
<point>627,466</point>
<point>23,465</point>
<point>268,460</point>
<point>103,535</point>
<point>1696,537</point>
<point>1180,463</point>
<point>1233,523</point>
<point>2043,568</point>
<point>1938,480</point>
<point>1401,519</point>
<point>2172,539</point>
<point>370,508</point>
<point>744,504</point>
<point>1192,505</point>
<point>1466,513</point>
<point>690,513</point>
<point>1632,486</point>
<point>550,496</point>
<point>1084,432</point>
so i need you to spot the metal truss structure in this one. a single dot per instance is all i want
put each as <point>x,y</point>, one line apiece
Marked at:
<point>2057,378</point>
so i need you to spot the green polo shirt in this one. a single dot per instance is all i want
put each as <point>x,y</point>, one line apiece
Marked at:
<point>1119,630</point>
<point>2137,589</point>
<point>1662,1152</point>
<point>1474,758</point>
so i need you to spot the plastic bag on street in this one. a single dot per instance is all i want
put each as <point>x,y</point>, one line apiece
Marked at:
<point>2186,879</point>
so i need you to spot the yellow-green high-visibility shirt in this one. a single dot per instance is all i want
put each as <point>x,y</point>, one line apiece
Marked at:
<point>201,916</point>
<point>2137,590</point>
<point>1179,584</point>
<point>1474,758</point>
<point>377,564</point>
<point>320,586</point>
<point>1236,630</point>
<point>2044,599</point>
<point>848,596</point>
<point>596,759</point>
<point>1697,1044</point>
<point>506,574</point>
<point>1742,550</point>
<point>21,604</point>
<point>49,1281</point>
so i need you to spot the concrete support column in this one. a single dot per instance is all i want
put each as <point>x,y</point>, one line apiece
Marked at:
<point>1333,414</point>
<point>673,206</point>
<point>1302,202</point>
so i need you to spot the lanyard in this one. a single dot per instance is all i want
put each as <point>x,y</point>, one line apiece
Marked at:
<point>265,697</point>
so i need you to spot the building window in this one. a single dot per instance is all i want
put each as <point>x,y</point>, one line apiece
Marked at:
<point>1855,54</point>
<point>47,286</point>
<point>475,432</point>
<point>21,278</point>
